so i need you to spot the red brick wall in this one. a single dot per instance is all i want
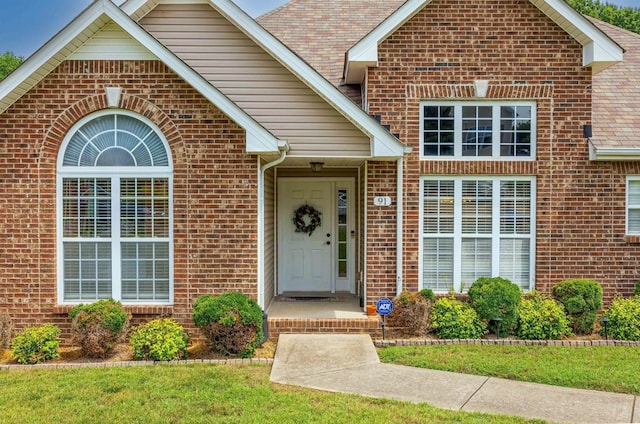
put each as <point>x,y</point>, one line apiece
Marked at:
<point>214,183</point>
<point>525,56</point>
<point>380,246</point>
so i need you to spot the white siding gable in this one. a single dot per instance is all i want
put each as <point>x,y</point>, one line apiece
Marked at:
<point>112,43</point>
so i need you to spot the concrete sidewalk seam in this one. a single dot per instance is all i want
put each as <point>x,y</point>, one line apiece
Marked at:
<point>474,393</point>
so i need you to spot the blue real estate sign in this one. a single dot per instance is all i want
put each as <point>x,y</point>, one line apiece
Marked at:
<point>384,306</point>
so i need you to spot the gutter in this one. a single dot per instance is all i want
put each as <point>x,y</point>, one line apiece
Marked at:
<point>399,226</point>
<point>283,147</point>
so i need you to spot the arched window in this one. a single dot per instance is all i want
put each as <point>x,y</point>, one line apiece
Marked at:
<point>114,211</point>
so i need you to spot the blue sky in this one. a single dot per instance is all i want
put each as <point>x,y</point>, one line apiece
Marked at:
<point>28,24</point>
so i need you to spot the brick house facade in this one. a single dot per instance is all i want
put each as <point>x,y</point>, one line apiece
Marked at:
<point>523,55</point>
<point>241,118</point>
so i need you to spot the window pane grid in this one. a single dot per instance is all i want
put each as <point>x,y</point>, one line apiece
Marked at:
<point>145,271</point>
<point>437,257</point>
<point>438,207</point>
<point>480,130</point>
<point>87,271</point>
<point>477,139</point>
<point>515,257</point>
<point>515,130</point>
<point>481,244</point>
<point>144,208</point>
<point>86,207</point>
<point>438,130</point>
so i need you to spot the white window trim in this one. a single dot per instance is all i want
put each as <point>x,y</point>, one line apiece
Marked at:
<point>629,206</point>
<point>117,174</point>
<point>458,235</point>
<point>457,156</point>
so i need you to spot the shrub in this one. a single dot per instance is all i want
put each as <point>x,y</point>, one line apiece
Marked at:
<point>581,300</point>
<point>541,318</point>
<point>636,290</point>
<point>5,330</point>
<point>453,319</point>
<point>36,344</point>
<point>411,314</point>
<point>496,298</point>
<point>624,319</point>
<point>160,340</point>
<point>428,294</point>
<point>231,323</point>
<point>98,327</point>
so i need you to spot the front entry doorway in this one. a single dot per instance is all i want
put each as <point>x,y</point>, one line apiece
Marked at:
<point>323,261</point>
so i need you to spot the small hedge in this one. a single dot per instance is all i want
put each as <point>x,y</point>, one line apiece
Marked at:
<point>231,323</point>
<point>581,300</point>
<point>36,344</point>
<point>496,298</point>
<point>453,319</point>
<point>541,318</point>
<point>636,290</point>
<point>98,327</point>
<point>162,339</point>
<point>411,314</point>
<point>624,319</point>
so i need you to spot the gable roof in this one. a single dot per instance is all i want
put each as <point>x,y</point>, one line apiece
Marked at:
<point>616,101</point>
<point>85,26</point>
<point>383,144</point>
<point>321,31</point>
<point>599,51</point>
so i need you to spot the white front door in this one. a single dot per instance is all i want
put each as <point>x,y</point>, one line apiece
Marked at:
<point>323,260</point>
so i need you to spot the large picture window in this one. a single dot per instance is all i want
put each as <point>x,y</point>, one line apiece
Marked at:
<point>478,130</point>
<point>114,212</point>
<point>476,227</point>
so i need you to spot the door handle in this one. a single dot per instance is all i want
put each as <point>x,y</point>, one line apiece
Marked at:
<point>328,242</point>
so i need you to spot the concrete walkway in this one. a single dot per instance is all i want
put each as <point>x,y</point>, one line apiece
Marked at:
<point>349,364</point>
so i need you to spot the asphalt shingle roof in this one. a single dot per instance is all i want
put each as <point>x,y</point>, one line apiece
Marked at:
<point>616,94</point>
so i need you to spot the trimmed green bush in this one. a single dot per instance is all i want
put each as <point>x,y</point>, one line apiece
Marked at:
<point>428,294</point>
<point>231,323</point>
<point>98,327</point>
<point>453,319</point>
<point>162,339</point>
<point>36,344</point>
<point>411,314</point>
<point>636,290</point>
<point>624,319</point>
<point>581,299</point>
<point>541,318</point>
<point>496,298</point>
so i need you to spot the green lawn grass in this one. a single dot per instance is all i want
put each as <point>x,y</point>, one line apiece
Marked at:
<point>196,394</point>
<point>606,368</point>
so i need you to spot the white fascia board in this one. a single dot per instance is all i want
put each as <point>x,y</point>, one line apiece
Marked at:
<point>308,75</point>
<point>46,57</point>
<point>611,154</point>
<point>259,140</point>
<point>600,51</point>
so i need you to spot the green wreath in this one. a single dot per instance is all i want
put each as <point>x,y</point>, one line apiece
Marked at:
<point>314,219</point>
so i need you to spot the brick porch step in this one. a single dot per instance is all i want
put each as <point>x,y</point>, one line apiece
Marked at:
<point>369,325</point>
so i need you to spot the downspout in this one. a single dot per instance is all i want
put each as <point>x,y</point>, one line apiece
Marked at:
<point>399,225</point>
<point>283,147</point>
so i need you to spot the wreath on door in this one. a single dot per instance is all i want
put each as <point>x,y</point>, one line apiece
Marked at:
<point>306,225</point>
